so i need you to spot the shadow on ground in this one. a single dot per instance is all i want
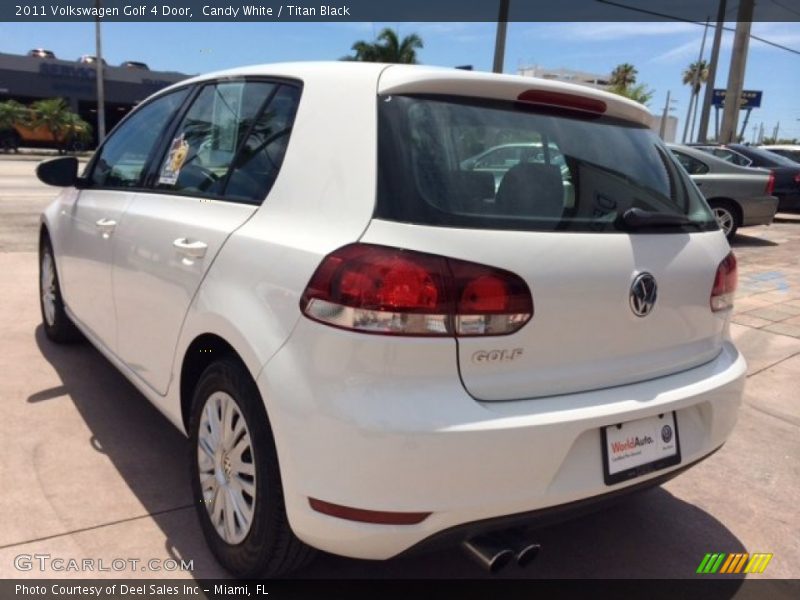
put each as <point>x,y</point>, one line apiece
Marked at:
<point>653,534</point>
<point>750,241</point>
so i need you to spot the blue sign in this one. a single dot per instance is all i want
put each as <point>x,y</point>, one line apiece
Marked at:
<point>748,99</point>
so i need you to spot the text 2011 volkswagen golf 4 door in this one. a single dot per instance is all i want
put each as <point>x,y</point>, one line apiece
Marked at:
<point>374,343</point>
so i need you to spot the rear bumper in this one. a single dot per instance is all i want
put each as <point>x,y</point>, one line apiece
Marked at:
<point>789,201</point>
<point>353,428</point>
<point>759,211</point>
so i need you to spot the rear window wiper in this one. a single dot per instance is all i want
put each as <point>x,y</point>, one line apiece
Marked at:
<point>638,218</point>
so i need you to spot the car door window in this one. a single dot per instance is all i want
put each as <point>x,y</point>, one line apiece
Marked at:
<point>501,158</point>
<point>691,164</point>
<point>259,159</point>
<point>122,158</point>
<point>203,147</point>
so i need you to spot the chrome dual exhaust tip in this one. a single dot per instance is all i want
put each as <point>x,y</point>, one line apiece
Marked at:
<point>494,552</point>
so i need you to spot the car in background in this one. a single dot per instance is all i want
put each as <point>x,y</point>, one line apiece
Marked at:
<point>787,172</point>
<point>724,153</point>
<point>88,59</point>
<point>738,196</point>
<point>370,358</point>
<point>499,159</point>
<point>133,64</point>
<point>790,151</point>
<point>41,53</point>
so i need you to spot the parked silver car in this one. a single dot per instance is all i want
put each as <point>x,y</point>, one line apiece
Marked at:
<point>739,196</point>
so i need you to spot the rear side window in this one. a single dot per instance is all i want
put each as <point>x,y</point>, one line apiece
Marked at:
<point>260,158</point>
<point>231,142</point>
<point>691,164</point>
<point>498,165</point>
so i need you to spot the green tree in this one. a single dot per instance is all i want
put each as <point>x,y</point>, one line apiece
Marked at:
<point>77,132</point>
<point>695,75</point>
<point>388,48</point>
<point>54,114</point>
<point>623,76</point>
<point>698,69</point>
<point>638,93</point>
<point>12,113</point>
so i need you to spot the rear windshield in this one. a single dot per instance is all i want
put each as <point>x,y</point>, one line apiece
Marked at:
<point>456,162</point>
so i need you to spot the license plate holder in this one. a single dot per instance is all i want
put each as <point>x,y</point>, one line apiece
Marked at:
<point>635,448</point>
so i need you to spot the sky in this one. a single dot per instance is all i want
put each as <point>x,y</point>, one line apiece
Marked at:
<point>659,50</point>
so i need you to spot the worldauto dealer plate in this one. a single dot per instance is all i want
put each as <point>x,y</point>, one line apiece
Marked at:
<point>639,447</point>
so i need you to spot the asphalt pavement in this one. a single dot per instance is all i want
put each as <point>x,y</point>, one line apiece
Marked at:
<point>91,470</point>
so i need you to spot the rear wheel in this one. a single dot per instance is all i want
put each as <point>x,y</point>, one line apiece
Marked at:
<point>235,477</point>
<point>727,216</point>
<point>57,325</point>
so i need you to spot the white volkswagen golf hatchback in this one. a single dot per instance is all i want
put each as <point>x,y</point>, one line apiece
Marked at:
<point>394,306</point>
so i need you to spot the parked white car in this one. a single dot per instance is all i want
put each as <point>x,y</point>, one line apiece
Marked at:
<point>370,347</point>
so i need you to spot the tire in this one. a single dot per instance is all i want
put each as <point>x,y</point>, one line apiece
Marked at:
<point>57,325</point>
<point>727,215</point>
<point>261,542</point>
<point>10,141</point>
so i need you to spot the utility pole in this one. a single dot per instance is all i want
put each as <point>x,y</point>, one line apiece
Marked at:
<point>733,94</point>
<point>101,92</point>
<point>775,132</point>
<point>662,130</point>
<point>695,80</point>
<point>500,40</point>
<point>705,112</point>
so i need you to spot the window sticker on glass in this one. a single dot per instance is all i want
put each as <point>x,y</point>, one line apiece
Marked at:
<point>178,151</point>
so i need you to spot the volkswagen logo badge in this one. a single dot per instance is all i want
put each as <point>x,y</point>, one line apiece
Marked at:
<point>643,294</point>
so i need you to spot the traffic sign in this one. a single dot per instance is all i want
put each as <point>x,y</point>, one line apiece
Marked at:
<point>748,99</point>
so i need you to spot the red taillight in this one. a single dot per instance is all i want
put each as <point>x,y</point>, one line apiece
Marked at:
<point>724,284</point>
<point>770,183</point>
<point>797,178</point>
<point>562,100</point>
<point>377,289</point>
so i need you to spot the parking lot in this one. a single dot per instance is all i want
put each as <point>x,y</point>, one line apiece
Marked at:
<point>91,470</point>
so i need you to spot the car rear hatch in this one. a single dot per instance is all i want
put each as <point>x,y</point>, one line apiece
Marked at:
<point>614,242</point>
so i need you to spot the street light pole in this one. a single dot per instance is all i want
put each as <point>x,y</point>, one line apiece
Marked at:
<point>101,92</point>
<point>500,39</point>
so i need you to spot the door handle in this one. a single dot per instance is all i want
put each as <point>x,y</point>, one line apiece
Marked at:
<point>105,225</point>
<point>190,249</point>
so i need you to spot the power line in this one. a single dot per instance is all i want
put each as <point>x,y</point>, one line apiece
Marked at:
<point>674,18</point>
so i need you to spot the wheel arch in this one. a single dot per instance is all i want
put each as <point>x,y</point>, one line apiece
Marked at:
<point>201,352</point>
<point>730,201</point>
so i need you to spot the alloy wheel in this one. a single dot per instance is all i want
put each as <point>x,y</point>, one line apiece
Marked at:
<point>48,276</point>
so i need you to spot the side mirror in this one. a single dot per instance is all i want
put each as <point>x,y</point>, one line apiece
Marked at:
<point>60,172</point>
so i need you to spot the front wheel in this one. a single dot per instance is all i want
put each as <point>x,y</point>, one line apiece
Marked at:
<point>235,476</point>
<point>57,325</point>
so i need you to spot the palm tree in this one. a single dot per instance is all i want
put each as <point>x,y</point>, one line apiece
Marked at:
<point>638,93</point>
<point>387,47</point>
<point>695,75</point>
<point>12,113</point>
<point>623,76</point>
<point>53,114</point>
